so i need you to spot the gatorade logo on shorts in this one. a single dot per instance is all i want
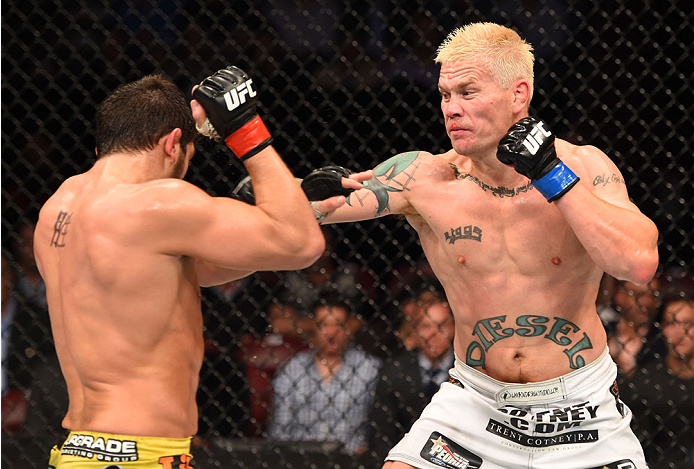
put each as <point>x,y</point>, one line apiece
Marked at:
<point>100,448</point>
<point>443,452</point>
<point>237,96</point>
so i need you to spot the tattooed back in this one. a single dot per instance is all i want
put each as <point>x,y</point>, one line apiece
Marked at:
<point>123,315</point>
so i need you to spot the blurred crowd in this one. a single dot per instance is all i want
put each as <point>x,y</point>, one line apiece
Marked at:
<point>326,359</point>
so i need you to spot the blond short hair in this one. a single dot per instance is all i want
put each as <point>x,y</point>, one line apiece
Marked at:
<point>506,56</point>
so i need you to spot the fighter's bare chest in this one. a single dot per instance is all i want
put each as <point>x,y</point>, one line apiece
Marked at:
<point>468,221</point>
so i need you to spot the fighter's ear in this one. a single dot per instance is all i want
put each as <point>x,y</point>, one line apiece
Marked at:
<point>170,141</point>
<point>521,95</point>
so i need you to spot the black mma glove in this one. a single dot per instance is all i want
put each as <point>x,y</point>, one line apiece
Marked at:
<point>244,191</point>
<point>326,182</point>
<point>529,148</point>
<point>230,103</point>
<point>320,184</point>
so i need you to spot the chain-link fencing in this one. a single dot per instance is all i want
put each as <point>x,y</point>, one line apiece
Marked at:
<point>349,83</point>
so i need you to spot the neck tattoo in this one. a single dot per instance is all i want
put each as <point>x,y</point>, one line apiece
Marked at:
<point>498,191</point>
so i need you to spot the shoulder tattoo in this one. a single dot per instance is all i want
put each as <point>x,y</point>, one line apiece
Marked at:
<point>393,175</point>
<point>60,229</point>
<point>605,179</point>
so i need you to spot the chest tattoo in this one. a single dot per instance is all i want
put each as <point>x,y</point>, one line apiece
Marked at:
<point>498,191</point>
<point>60,229</point>
<point>464,232</point>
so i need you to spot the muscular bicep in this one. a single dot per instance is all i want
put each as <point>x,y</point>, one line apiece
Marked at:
<point>216,231</point>
<point>386,193</point>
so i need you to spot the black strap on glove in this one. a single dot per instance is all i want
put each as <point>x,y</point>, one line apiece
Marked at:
<point>326,182</point>
<point>529,148</point>
<point>320,184</point>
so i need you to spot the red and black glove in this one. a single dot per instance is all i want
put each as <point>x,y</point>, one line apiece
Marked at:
<point>230,102</point>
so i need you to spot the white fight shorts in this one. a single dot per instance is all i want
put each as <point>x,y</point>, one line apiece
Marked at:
<point>575,421</point>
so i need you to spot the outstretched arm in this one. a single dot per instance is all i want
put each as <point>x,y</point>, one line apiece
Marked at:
<point>384,194</point>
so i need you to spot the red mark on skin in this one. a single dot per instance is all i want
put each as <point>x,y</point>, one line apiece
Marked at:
<point>461,260</point>
<point>556,261</point>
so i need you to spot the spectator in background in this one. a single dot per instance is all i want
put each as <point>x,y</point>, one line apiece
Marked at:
<point>29,282</point>
<point>285,337</point>
<point>408,382</point>
<point>13,400</point>
<point>634,339</point>
<point>412,310</point>
<point>9,309</point>
<point>302,287</point>
<point>605,302</point>
<point>324,394</point>
<point>34,392</point>
<point>659,393</point>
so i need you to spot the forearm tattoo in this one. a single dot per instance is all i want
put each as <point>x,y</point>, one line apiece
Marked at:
<point>388,171</point>
<point>604,179</point>
<point>60,229</point>
<point>498,191</point>
<point>491,330</point>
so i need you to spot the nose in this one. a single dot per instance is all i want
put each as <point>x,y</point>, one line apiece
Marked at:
<point>452,107</point>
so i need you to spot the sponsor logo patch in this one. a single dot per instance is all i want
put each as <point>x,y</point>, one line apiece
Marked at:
<point>109,449</point>
<point>527,393</point>
<point>540,441</point>
<point>443,452</point>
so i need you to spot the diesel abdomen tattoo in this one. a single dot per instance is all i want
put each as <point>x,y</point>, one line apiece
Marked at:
<point>489,331</point>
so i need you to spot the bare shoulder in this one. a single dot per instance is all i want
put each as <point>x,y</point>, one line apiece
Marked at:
<point>583,158</point>
<point>596,170</point>
<point>415,166</point>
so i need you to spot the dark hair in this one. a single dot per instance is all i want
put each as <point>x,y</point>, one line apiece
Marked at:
<point>136,115</point>
<point>331,298</point>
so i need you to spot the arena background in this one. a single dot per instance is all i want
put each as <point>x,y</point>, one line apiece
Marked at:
<point>344,82</point>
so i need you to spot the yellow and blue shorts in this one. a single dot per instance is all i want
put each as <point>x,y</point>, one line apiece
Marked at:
<point>94,450</point>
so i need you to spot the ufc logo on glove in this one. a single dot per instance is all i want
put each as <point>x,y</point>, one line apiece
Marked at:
<point>237,96</point>
<point>533,141</point>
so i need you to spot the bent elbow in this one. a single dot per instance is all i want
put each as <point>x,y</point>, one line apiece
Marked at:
<point>645,269</point>
<point>313,249</point>
<point>306,246</point>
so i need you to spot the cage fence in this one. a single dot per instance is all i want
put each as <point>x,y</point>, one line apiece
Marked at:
<point>349,83</point>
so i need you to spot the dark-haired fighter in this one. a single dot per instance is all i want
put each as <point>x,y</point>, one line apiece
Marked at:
<point>124,248</point>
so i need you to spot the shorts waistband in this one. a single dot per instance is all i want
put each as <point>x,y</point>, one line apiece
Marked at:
<point>542,392</point>
<point>123,447</point>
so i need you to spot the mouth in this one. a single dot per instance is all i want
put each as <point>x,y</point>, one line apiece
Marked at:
<point>457,130</point>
